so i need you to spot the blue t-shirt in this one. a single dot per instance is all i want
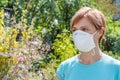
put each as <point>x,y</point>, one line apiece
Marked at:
<point>107,68</point>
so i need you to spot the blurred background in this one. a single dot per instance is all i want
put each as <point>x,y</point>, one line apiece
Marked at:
<point>35,35</point>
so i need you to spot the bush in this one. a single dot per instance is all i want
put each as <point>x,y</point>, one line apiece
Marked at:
<point>112,39</point>
<point>14,42</point>
<point>63,47</point>
<point>7,42</point>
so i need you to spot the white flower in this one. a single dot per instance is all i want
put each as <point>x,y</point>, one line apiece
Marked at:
<point>6,14</point>
<point>55,22</point>
<point>44,31</point>
<point>35,42</point>
<point>25,51</point>
<point>21,66</point>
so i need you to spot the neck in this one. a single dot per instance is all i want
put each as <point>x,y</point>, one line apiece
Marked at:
<point>90,57</point>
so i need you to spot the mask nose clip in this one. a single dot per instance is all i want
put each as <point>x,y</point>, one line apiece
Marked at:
<point>94,33</point>
<point>75,33</point>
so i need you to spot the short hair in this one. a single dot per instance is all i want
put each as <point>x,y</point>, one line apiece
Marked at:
<point>96,17</point>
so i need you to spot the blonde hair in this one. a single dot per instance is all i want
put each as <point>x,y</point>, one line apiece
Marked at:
<point>96,17</point>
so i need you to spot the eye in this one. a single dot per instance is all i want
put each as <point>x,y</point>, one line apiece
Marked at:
<point>84,29</point>
<point>73,29</point>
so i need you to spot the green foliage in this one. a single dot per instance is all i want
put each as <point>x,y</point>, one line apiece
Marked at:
<point>110,53</point>
<point>63,47</point>
<point>45,12</point>
<point>107,4</point>
<point>3,3</point>
<point>112,40</point>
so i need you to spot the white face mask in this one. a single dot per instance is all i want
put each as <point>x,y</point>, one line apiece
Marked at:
<point>83,40</point>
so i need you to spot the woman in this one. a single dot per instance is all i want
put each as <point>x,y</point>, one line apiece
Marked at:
<point>88,26</point>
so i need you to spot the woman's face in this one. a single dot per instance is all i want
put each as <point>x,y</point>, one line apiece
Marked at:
<point>85,25</point>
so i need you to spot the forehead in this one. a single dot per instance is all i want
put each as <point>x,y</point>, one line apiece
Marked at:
<point>84,23</point>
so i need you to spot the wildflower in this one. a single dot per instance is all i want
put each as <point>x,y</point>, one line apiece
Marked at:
<point>7,39</point>
<point>20,59</point>
<point>1,48</point>
<point>21,66</point>
<point>15,44</point>
<point>24,73</point>
<point>25,35</point>
<point>29,67</point>
<point>5,78</point>
<point>55,22</point>
<point>44,31</point>
<point>14,58</point>
<point>40,73</point>
<point>25,51</point>
<point>24,11</point>
<point>1,27</point>
<point>24,20</point>
<point>0,32</point>
<point>16,70</point>
<point>35,43</point>
<point>31,45</point>
<point>6,14</point>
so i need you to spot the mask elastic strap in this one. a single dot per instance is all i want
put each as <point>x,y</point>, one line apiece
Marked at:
<point>94,33</point>
<point>93,52</point>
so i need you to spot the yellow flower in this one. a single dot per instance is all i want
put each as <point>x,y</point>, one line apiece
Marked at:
<point>5,51</point>
<point>2,14</point>
<point>24,20</point>
<point>1,22</point>
<point>14,36</point>
<point>15,59</point>
<point>1,19</point>
<point>15,44</point>
<point>0,32</point>
<point>1,27</point>
<point>9,36</point>
<point>23,33</point>
<point>1,49</point>
<point>1,38</point>
<point>25,36</point>
<point>14,30</point>
<point>7,39</point>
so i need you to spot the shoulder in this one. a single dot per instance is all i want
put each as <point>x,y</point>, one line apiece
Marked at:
<point>64,67</point>
<point>110,60</point>
<point>69,61</point>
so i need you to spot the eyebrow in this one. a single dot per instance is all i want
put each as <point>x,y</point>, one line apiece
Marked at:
<point>82,27</point>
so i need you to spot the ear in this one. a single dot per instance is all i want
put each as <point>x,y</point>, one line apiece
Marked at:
<point>100,32</point>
